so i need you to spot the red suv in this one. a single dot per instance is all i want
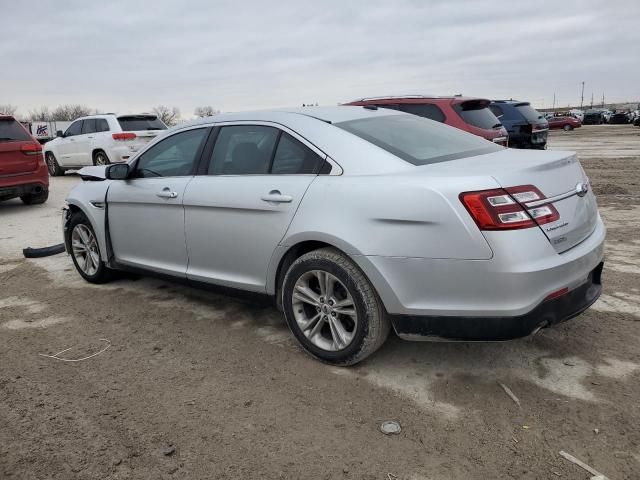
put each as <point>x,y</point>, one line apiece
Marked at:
<point>466,113</point>
<point>23,172</point>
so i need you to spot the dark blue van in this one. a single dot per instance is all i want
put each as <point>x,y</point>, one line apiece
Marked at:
<point>526,126</point>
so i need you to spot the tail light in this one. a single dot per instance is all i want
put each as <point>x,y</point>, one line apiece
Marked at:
<point>31,149</point>
<point>123,136</point>
<point>505,209</point>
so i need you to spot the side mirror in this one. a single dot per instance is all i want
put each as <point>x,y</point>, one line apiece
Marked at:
<point>117,171</point>
<point>59,133</point>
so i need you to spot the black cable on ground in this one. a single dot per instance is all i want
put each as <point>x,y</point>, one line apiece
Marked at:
<point>43,252</point>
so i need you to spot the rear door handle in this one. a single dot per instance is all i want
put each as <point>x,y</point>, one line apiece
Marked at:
<point>276,197</point>
<point>167,193</point>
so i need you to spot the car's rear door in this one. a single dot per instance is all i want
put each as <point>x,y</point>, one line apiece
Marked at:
<point>15,157</point>
<point>240,206</point>
<point>84,142</point>
<point>145,212</point>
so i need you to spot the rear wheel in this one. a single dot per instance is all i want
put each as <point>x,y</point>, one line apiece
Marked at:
<point>35,198</point>
<point>85,250</point>
<point>100,158</point>
<point>567,128</point>
<point>332,308</point>
<point>52,165</point>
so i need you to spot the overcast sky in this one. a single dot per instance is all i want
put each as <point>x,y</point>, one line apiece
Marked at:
<point>128,56</point>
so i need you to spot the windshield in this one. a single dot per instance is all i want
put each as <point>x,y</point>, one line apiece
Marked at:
<point>141,122</point>
<point>529,112</point>
<point>417,140</point>
<point>11,131</point>
<point>477,114</point>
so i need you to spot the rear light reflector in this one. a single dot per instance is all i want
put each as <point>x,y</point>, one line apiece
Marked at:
<point>123,136</point>
<point>557,293</point>
<point>31,149</point>
<point>505,209</point>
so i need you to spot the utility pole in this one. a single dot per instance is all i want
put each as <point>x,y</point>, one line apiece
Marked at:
<point>582,96</point>
<point>602,99</point>
<point>554,101</point>
<point>591,99</point>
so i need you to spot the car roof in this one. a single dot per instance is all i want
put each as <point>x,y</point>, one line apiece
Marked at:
<point>416,98</point>
<point>287,115</point>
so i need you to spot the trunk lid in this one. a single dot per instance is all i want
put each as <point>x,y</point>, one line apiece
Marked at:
<point>558,175</point>
<point>145,127</point>
<point>14,142</point>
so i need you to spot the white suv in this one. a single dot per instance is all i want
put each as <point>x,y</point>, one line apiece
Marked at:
<point>100,140</point>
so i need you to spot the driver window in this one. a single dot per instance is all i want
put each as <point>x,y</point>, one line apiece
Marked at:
<point>74,129</point>
<point>174,156</point>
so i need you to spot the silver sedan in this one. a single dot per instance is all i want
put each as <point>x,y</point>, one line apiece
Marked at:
<point>355,221</point>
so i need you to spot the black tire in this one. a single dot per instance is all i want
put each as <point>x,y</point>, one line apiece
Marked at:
<point>103,274</point>
<point>100,158</point>
<point>567,128</point>
<point>373,324</point>
<point>35,198</point>
<point>52,165</point>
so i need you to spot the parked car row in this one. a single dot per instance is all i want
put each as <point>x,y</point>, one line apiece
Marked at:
<point>505,122</point>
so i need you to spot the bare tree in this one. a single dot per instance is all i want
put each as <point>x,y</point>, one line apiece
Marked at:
<point>70,112</point>
<point>205,111</point>
<point>8,109</point>
<point>41,114</point>
<point>169,115</point>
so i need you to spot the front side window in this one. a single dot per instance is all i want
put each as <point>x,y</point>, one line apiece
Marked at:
<point>426,110</point>
<point>174,156</point>
<point>416,140</point>
<point>89,126</point>
<point>243,150</point>
<point>293,157</point>
<point>74,129</point>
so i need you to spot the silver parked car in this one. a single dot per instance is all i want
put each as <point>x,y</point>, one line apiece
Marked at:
<point>354,220</point>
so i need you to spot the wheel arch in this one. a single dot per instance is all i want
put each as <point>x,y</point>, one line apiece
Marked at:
<point>99,149</point>
<point>95,216</point>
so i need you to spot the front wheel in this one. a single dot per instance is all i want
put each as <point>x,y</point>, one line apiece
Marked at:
<point>567,128</point>
<point>85,250</point>
<point>332,309</point>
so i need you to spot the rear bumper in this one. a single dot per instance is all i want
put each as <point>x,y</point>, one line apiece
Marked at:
<point>547,313</point>
<point>12,191</point>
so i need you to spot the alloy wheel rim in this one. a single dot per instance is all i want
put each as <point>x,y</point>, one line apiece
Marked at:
<point>85,249</point>
<point>50,164</point>
<point>324,310</point>
<point>100,159</point>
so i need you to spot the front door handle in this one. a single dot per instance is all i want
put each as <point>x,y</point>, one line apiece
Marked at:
<point>167,193</point>
<point>276,197</point>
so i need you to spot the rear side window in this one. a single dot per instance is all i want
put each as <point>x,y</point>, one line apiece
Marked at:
<point>426,110</point>
<point>74,129</point>
<point>497,111</point>
<point>416,140</point>
<point>89,125</point>
<point>12,131</point>
<point>134,123</point>
<point>292,157</point>
<point>477,114</point>
<point>102,125</point>
<point>174,156</point>
<point>529,112</point>
<point>243,150</point>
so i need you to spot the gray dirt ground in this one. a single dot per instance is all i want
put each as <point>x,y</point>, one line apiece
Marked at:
<point>198,385</point>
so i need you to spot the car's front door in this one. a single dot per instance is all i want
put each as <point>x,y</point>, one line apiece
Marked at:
<point>145,212</point>
<point>239,208</point>
<point>67,151</point>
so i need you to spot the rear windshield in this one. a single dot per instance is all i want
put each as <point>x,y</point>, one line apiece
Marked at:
<point>530,113</point>
<point>477,114</point>
<point>141,122</point>
<point>11,131</point>
<point>417,140</point>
